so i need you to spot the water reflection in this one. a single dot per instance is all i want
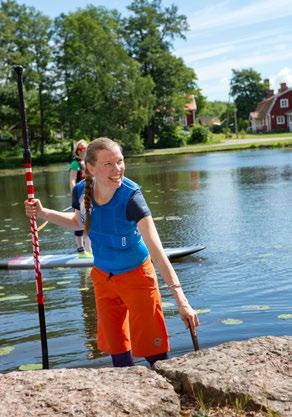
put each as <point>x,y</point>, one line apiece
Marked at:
<point>238,204</point>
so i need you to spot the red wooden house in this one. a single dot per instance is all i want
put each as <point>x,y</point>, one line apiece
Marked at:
<point>274,113</point>
<point>190,109</point>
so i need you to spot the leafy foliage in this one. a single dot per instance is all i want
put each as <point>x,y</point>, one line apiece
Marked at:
<point>248,89</point>
<point>199,134</point>
<point>149,32</point>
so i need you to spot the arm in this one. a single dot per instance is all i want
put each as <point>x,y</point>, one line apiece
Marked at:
<point>150,235</point>
<point>72,179</point>
<point>66,220</point>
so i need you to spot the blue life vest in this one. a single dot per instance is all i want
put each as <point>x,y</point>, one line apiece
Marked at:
<point>116,243</point>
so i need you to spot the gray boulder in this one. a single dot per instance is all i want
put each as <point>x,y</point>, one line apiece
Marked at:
<point>105,392</point>
<point>257,373</point>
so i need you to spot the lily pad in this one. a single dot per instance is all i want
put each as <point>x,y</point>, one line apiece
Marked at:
<point>2,230</point>
<point>167,304</point>
<point>63,282</point>
<point>1,287</point>
<point>231,321</point>
<point>202,310</point>
<point>13,297</point>
<point>287,316</point>
<point>257,307</point>
<point>6,350</point>
<point>49,288</point>
<point>30,367</point>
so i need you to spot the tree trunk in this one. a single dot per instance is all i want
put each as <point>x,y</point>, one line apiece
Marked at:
<point>42,122</point>
<point>150,133</point>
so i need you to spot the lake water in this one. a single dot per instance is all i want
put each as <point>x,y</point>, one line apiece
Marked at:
<point>238,204</point>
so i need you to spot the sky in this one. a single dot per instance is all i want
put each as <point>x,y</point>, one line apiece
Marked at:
<point>223,35</point>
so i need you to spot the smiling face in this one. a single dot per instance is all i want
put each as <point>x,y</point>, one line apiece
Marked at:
<point>108,168</point>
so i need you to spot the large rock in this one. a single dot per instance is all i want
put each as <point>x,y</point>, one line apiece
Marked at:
<point>257,372</point>
<point>105,392</point>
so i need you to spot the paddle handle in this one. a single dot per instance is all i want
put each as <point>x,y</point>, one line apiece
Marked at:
<point>195,339</point>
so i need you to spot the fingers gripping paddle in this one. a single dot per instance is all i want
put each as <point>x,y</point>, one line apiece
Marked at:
<point>33,226</point>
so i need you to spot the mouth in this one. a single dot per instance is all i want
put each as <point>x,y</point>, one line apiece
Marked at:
<point>116,179</point>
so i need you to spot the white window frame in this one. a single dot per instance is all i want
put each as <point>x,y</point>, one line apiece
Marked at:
<point>284,103</point>
<point>280,120</point>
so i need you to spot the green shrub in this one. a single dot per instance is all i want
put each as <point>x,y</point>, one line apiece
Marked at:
<point>217,128</point>
<point>169,137</point>
<point>242,134</point>
<point>227,133</point>
<point>199,134</point>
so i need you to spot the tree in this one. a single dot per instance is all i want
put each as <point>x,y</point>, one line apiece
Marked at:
<point>248,89</point>
<point>148,33</point>
<point>99,83</point>
<point>25,36</point>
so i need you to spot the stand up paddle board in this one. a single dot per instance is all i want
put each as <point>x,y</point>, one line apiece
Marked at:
<point>74,260</point>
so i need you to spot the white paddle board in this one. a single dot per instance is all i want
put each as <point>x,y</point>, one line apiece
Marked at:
<point>74,260</point>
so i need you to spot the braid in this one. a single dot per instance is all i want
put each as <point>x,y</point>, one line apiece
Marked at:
<point>87,199</point>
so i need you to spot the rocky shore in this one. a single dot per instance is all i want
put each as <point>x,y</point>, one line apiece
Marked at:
<point>254,376</point>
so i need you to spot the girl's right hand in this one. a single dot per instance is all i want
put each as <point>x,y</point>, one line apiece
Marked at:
<point>33,208</point>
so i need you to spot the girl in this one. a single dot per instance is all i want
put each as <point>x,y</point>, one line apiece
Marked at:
<point>77,170</point>
<point>125,242</point>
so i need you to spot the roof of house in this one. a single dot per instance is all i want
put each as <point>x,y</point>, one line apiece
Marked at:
<point>262,108</point>
<point>209,121</point>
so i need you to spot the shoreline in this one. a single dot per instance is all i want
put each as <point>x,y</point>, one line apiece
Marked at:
<point>228,145</point>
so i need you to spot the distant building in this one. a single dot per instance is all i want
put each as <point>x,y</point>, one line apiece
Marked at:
<point>189,119</point>
<point>209,121</point>
<point>274,113</point>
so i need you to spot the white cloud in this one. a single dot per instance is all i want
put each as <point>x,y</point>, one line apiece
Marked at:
<point>223,14</point>
<point>282,76</point>
<point>223,68</point>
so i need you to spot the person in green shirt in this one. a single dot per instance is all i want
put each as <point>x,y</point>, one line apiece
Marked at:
<point>76,169</point>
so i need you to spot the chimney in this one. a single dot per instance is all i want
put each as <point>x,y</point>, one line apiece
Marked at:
<point>270,93</point>
<point>283,87</point>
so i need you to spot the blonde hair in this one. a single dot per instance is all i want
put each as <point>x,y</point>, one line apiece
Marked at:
<point>93,148</point>
<point>76,146</point>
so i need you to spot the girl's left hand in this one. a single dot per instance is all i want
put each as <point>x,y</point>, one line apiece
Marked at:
<point>189,317</point>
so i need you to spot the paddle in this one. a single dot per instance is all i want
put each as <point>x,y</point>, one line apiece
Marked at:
<point>195,339</point>
<point>33,226</point>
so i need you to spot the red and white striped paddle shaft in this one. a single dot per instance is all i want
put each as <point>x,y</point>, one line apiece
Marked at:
<point>34,234</point>
<point>33,226</point>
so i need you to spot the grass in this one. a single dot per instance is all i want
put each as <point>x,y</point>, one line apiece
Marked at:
<point>61,152</point>
<point>233,407</point>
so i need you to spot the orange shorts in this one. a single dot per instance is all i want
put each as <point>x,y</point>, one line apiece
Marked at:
<point>129,312</point>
